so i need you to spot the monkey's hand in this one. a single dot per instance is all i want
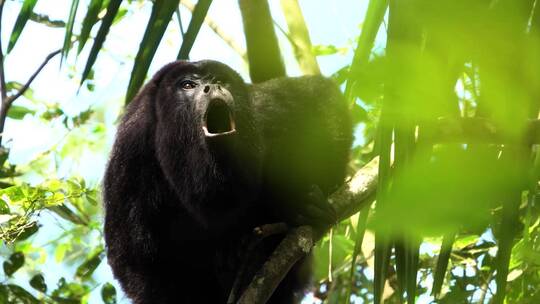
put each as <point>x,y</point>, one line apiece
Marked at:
<point>316,211</point>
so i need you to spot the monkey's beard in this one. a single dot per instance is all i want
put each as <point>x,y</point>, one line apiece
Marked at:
<point>218,119</point>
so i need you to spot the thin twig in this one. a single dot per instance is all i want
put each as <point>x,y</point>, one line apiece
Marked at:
<point>25,87</point>
<point>178,17</point>
<point>7,101</point>
<point>216,29</point>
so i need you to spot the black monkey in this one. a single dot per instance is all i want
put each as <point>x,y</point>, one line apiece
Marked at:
<point>195,167</point>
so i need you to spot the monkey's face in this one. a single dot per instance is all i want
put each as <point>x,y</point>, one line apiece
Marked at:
<point>213,102</point>
<point>206,99</point>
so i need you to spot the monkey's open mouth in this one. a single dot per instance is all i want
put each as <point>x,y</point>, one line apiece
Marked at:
<point>218,119</point>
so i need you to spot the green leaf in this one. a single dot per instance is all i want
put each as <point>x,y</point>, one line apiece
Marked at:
<point>373,20</point>
<point>106,23</point>
<point>28,231</point>
<point>4,208</point>
<point>24,15</point>
<point>4,294</point>
<point>162,12</point>
<point>87,268</point>
<point>69,293</point>
<point>89,21</point>
<point>122,12</point>
<point>64,212</point>
<point>197,18</point>
<point>18,112</point>
<point>324,50</point>
<point>69,29</point>
<point>15,261</point>
<point>17,86</point>
<point>38,283</point>
<point>47,21</point>
<point>108,293</point>
<point>23,296</point>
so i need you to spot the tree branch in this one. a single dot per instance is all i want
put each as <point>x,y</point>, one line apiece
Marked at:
<point>347,200</point>
<point>296,245</point>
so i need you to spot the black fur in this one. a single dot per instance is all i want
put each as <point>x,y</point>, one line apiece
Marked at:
<point>180,207</point>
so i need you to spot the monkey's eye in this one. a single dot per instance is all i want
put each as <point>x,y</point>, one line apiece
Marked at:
<point>188,85</point>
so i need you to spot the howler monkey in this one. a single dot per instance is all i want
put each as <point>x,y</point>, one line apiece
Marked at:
<point>200,159</point>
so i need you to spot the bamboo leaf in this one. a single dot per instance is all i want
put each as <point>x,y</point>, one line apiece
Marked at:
<point>69,30</point>
<point>442,264</point>
<point>412,255</point>
<point>106,23</point>
<point>162,12</point>
<point>299,37</point>
<point>24,15</point>
<point>194,26</point>
<point>360,232</point>
<point>372,22</point>
<point>89,21</point>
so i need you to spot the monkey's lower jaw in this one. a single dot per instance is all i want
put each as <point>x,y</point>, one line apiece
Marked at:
<point>209,134</point>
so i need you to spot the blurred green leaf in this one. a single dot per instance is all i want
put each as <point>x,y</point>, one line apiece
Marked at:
<point>194,26</point>
<point>38,283</point>
<point>325,50</point>
<point>28,231</point>
<point>15,87</point>
<point>108,293</point>
<point>20,296</point>
<point>162,12</point>
<point>122,12</point>
<point>15,261</point>
<point>372,21</point>
<point>87,268</point>
<point>106,23</point>
<point>24,15</point>
<point>69,293</point>
<point>69,29</point>
<point>442,264</point>
<point>64,212</point>
<point>4,296</point>
<point>4,208</point>
<point>18,112</point>
<point>341,248</point>
<point>46,20</point>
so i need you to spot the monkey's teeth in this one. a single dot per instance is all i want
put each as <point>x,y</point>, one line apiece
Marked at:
<point>209,134</point>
